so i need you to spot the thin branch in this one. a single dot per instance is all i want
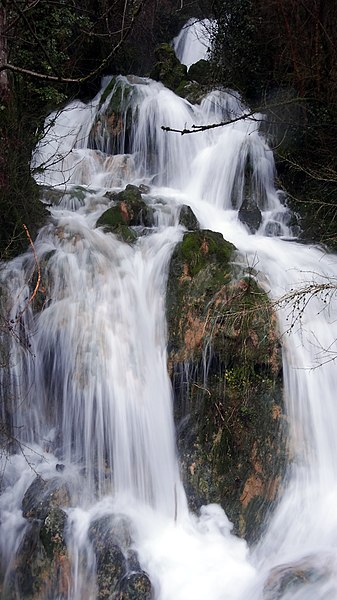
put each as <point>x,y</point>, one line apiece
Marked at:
<point>45,77</point>
<point>246,115</point>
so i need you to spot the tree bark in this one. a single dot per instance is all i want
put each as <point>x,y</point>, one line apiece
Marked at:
<point>4,83</point>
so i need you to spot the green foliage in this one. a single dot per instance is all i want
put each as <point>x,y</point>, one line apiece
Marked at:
<point>237,59</point>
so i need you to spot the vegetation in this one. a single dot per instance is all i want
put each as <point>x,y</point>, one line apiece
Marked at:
<point>50,52</point>
<point>285,51</point>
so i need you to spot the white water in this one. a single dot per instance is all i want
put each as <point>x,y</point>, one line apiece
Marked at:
<point>93,391</point>
<point>193,42</point>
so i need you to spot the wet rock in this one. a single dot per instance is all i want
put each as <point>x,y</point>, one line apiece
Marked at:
<point>250,214</point>
<point>144,189</point>
<point>72,196</point>
<point>168,68</point>
<point>52,532</point>
<point>188,219</point>
<point>191,91</point>
<point>200,72</point>
<point>290,578</point>
<point>42,567</point>
<point>224,359</point>
<point>111,539</point>
<point>136,586</point>
<point>129,210</point>
<point>44,495</point>
<point>111,131</point>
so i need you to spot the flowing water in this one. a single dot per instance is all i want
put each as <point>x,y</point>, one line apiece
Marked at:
<point>90,394</point>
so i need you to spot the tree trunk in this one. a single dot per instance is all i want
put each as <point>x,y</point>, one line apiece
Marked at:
<point>4,84</point>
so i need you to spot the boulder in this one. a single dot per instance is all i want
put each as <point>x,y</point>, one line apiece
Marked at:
<point>44,495</point>
<point>136,586</point>
<point>200,72</point>
<point>250,214</point>
<point>292,577</point>
<point>225,364</point>
<point>188,219</point>
<point>42,567</point>
<point>118,573</point>
<point>111,130</point>
<point>168,69</point>
<point>129,210</point>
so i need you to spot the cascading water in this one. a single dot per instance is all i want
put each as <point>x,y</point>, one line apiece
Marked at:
<point>193,42</point>
<point>90,393</point>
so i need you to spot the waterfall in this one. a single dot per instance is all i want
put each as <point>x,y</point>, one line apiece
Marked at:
<point>86,391</point>
<point>193,41</point>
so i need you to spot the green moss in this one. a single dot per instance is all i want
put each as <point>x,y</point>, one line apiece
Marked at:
<point>222,332</point>
<point>168,69</point>
<point>111,218</point>
<point>107,91</point>
<point>200,248</point>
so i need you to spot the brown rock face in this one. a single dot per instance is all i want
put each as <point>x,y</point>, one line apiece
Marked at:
<point>225,363</point>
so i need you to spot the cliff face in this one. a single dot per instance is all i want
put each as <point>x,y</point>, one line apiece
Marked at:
<point>225,363</point>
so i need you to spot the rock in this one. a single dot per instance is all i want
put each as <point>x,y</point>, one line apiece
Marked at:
<point>200,72</point>
<point>168,69</point>
<point>129,211</point>
<point>72,196</point>
<point>110,537</point>
<point>289,578</point>
<point>44,495</point>
<point>144,189</point>
<point>136,586</point>
<point>188,219</point>
<point>52,532</point>
<point>191,91</point>
<point>225,364</point>
<point>111,131</point>
<point>42,567</point>
<point>250,214</point>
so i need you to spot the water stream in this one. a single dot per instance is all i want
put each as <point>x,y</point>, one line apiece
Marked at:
<point>89,383</point>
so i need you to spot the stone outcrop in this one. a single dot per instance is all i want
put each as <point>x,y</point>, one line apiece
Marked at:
<point>42,567</point>
<point>225,363</point>
<point>129,210</point>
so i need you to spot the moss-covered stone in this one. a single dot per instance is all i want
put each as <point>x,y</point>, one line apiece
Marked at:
<point>111,130</point>
<point>200,72</point>
<point>128,211</point>
<point>117,569</point>
<point>42,567</point>
<point>168,69</point>
<point>225,363</point>
<point>52,532</point>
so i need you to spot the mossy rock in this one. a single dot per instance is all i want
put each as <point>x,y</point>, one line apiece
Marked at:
<point>191,91</point>
<point>224,358</point>
<point>200,72</point>
<point>52,532</point>
<point>111,539</point>
<point>168,69</point>
<point>111,130</point>
<point>201,248</point>
<point>41,567</point>
<point>128,211</point>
